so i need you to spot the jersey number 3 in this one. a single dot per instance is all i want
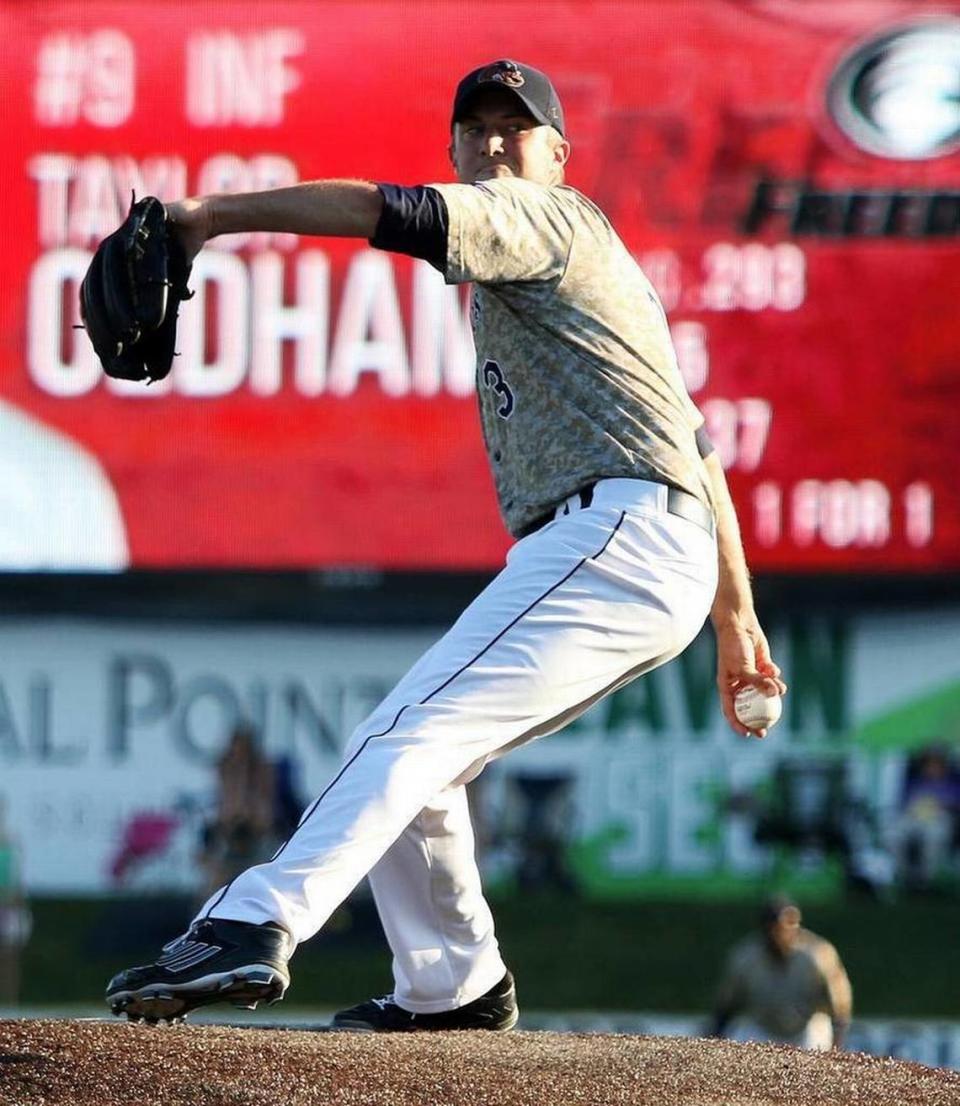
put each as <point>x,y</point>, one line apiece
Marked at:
<point>493,379</point>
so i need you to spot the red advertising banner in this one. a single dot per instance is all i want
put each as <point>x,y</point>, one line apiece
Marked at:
<point>786,171</point>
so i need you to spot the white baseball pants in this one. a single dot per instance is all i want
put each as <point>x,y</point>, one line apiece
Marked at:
<point>595,598</point>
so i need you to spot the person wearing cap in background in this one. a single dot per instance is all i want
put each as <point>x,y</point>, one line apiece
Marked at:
<point>606,477</point>
<point>784,984</point>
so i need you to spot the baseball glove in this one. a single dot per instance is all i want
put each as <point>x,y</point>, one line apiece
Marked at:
<point>131,294</point>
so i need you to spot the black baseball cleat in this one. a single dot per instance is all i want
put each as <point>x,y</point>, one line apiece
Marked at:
<point>214,961</point>
<point>496,1010</point>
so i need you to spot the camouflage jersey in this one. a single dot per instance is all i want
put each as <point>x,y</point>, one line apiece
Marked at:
<point>576,374</point>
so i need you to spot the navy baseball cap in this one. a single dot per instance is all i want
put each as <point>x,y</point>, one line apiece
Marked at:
<point>531,87</point>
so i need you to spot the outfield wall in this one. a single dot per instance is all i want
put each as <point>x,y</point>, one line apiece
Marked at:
<point>101,721</point>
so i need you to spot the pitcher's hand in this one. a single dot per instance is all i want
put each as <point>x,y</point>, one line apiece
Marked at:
<point>743,659</point>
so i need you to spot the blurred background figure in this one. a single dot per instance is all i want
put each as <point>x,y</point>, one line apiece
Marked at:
<point>785,984</point>
<point>15,918</point>
<point>810,812</point>
<point>250,818</point>
<point>925,833</point>
<point>526,827</point>
<point>545,830</point>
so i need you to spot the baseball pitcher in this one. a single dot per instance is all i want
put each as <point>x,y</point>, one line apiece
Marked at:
<point>626,541</point>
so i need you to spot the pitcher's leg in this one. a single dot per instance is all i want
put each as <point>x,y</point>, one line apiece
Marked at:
<point>475,690</point>
<point>437,922</point>
<point>580,608</point>
<point>583,606</point>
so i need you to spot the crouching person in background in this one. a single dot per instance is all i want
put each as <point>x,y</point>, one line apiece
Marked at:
<point>785,984</point>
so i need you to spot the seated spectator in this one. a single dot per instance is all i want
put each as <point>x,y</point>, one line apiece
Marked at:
<point>811,808</point>
<point>924,833</point>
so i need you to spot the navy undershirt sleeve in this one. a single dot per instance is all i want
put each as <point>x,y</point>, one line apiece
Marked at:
<point>704,446</point>
<point>414,221</point>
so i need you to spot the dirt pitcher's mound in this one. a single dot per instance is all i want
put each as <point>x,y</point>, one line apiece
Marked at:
<point>92,1063</point>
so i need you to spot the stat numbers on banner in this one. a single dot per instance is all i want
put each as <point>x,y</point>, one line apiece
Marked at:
<point>729,276</point>
<point>842,514</point>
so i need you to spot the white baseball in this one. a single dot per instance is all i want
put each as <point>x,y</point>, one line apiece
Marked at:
<point>756,710</point>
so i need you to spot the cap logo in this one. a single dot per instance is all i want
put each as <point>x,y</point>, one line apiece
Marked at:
<point>506,72</point>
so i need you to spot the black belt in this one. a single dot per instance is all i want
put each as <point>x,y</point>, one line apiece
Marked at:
<point>684,505</point>
<point>679,503</point>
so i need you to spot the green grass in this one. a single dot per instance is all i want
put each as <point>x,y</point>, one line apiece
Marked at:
<point>665,956</point>
<point>567,954</point>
